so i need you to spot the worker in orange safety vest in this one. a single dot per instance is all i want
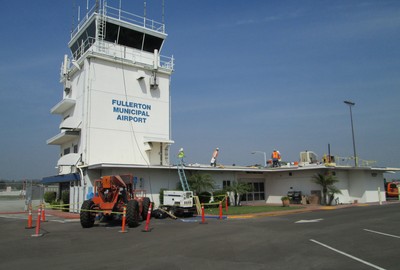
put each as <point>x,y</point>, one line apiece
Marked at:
<point>276,156</point>
<point>214,157</point>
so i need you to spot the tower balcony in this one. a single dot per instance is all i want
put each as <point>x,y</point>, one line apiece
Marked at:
<point>63,137</point>
<point>63,106</point>
<point>120,53</point>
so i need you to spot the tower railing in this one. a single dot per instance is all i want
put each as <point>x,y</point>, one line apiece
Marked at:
<point>121,15</point>
<point>122,52</point>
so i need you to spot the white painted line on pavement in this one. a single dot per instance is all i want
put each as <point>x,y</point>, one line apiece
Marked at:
<point>348,255</point>
<point>309,220</point>
<point>12,217</point>
<point>386,234</point>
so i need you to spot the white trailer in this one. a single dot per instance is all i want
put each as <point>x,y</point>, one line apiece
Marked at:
<point>179,203</point>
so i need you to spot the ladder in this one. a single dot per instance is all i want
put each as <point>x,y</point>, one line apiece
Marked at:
<point>182,177</point>
<point>101,27</point>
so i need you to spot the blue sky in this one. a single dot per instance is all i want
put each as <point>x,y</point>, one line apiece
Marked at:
<point>249,76</point>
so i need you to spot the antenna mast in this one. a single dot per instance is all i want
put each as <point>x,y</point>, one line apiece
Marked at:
<point>73,16</point>
<point>163,13</point>
<point>144,6</point>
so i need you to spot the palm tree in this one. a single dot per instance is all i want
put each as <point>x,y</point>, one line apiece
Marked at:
<point>201,182</point>
<point>239,188</point>
<point>327,182</point>
<point>332,190</point>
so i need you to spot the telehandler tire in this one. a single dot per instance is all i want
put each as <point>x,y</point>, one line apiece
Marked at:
<point>146,205</point>
<point>87,218</point>
<point>132,214</point>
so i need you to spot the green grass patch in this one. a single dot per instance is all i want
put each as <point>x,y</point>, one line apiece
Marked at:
<point>241,210</point>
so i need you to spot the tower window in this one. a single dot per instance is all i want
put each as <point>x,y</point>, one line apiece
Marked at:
<point>67,151</point>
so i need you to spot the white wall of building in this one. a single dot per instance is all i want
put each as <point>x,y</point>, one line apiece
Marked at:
<point>278,184</point>
<point>115,136</point>
<point>355,185</point>
<point>364,185</point>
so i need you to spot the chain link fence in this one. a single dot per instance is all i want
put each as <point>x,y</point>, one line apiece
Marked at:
<point>26,191</point>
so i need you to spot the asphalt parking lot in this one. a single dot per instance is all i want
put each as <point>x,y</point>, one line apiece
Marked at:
<point>361,237</point>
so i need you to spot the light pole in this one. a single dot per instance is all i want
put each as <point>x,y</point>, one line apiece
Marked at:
<point>351,104</point>
<point>265,156</point>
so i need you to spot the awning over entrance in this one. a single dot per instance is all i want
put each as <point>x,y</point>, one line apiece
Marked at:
<point>61,178</point>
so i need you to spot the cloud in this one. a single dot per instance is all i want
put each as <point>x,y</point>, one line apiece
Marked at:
<point>245,21</point>
<point>254,19</point>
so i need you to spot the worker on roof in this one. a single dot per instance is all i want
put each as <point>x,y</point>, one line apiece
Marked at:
<point>276,157</point>
<point>181,155</point>
<point>214,157</point>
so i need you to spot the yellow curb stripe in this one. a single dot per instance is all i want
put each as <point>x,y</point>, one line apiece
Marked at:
<point>328,207</point>
<point>239,217</point>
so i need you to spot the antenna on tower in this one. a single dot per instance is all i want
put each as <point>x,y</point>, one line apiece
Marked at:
<point>163,13</point>
<point>96,8</point>
<point>73,16</point>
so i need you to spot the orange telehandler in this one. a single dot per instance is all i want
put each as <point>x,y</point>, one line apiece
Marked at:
<point>111,194</point>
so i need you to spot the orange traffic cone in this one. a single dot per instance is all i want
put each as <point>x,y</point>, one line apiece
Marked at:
<point>29,226</point>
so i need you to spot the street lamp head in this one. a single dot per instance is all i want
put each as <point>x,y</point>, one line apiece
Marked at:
<point>258,152</point>
<point>348,102</point>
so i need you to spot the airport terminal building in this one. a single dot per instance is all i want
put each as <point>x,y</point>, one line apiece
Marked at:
<point>116,119</point>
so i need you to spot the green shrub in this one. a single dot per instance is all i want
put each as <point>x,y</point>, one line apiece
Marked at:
<point>162,195</point>
<point>65,200</point>
<point>50,196</point>
<point>204,197</point>
<point>55,205</point>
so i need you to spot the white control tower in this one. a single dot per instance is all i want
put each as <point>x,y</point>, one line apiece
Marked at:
<point>115,107</point>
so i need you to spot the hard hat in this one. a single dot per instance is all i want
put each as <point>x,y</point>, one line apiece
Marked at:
<point>181,149</point>
<point>217,148</point>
